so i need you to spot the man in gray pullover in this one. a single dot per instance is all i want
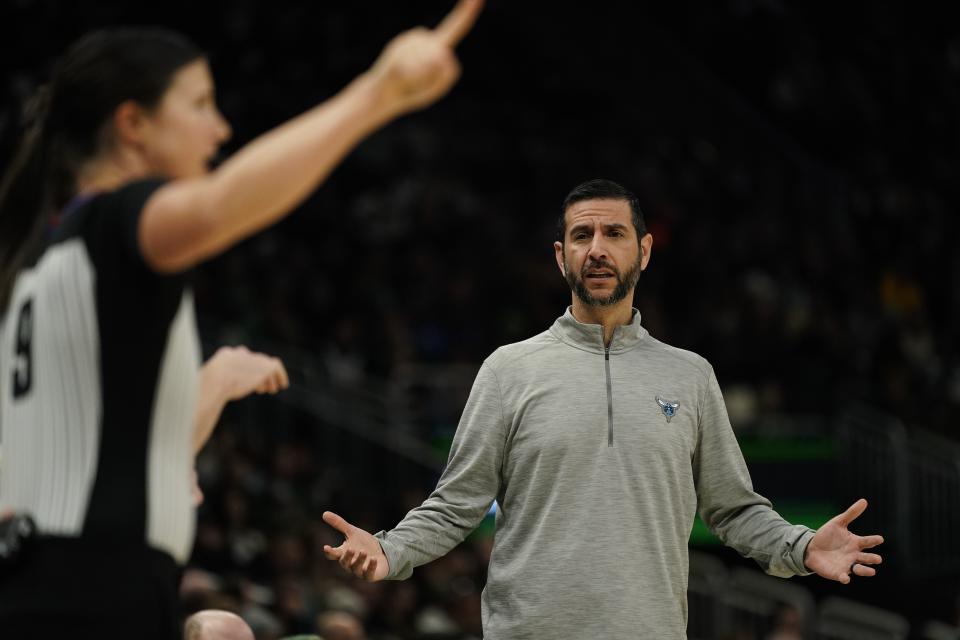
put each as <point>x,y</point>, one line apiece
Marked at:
<point>599,443</point>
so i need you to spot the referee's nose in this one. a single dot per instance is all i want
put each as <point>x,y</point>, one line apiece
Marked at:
<point>224,130</point>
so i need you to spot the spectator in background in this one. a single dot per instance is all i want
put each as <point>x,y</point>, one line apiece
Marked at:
<point>340,625</point>
<point>788,624</point>
<point>216,625</point>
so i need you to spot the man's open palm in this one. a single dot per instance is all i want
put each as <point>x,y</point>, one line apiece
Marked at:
<point>836,553</point>
<point>360,553</point>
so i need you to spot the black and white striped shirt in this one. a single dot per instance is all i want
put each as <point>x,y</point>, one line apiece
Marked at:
<point>99,366</point>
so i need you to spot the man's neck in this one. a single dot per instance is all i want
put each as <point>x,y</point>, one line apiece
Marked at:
<point>609,317</point>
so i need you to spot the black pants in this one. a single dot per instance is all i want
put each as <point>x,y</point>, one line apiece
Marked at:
<point>76,588</point>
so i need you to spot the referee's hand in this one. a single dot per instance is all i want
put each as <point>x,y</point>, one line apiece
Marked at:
<point>244,372</point>
<point>419,66</point>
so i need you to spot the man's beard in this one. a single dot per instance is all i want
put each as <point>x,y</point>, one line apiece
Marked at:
<point>625,283</point>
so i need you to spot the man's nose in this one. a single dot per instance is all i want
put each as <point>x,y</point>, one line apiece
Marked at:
<point>598,248</point>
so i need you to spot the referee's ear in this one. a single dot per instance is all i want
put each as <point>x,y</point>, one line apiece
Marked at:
<point>130,123</point>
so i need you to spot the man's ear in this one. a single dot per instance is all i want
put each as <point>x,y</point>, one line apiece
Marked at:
<point>646,249</point>
<point>558,253</point>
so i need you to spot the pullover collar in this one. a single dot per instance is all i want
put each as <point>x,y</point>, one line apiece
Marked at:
<point>589,337</point>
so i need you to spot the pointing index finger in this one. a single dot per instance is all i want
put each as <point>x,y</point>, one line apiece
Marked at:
<point>458,22</point>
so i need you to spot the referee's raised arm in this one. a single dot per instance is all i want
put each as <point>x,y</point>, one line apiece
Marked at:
<point>189,221</point>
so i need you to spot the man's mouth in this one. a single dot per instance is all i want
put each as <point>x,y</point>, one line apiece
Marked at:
<point>599,274</point>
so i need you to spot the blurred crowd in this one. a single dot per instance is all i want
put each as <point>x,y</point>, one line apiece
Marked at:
<point>803,210</point>
<point>259,553</point>
<point>798,171</point>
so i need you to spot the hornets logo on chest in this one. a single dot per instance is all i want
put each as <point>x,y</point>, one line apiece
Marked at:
<point>668,408</point>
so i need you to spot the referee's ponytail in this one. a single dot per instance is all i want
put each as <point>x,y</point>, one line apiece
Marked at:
<point>22,200</point>
<point>64,128</point>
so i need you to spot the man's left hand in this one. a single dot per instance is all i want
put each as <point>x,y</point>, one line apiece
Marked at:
<point>836,553</point>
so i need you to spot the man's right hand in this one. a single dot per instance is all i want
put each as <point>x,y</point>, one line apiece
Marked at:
<point>419,66</point>
<point>360,553</point>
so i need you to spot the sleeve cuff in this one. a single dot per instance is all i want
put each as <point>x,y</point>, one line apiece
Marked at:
<point>798,550</point>
<point>397,570</point>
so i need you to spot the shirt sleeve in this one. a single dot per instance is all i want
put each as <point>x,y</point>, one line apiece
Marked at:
<point>117,222</point>
<point>741,518</point>
<point>466,489</point>
<point>128,290</point>
<point>124,280</point>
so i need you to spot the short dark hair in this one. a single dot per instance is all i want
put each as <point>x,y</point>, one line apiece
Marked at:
<point>601,189</point>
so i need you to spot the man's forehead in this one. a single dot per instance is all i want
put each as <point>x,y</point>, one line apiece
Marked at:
<point>604,211</point>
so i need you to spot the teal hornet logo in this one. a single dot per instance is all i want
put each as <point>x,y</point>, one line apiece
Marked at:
<point>669,408</point>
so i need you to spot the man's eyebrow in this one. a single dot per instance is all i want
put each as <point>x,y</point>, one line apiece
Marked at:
<point>581,226</point>
<point>588,226</point>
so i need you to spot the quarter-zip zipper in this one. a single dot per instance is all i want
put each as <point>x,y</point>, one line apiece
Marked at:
<point>606,364</point>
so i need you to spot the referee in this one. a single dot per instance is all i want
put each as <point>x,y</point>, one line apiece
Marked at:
<point>108,203</point>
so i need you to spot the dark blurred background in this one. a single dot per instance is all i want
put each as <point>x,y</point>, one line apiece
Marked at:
<point>798,165</point>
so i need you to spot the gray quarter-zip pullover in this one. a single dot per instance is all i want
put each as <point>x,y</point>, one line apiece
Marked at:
<point>599,459</point>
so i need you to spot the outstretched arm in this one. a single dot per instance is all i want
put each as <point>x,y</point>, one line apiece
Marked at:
<point>836,553</point>
<point>462,498</point>
<point>188,221</point>
<point>230,374</point>
<point>734,512</point>
<point>746,521</point>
